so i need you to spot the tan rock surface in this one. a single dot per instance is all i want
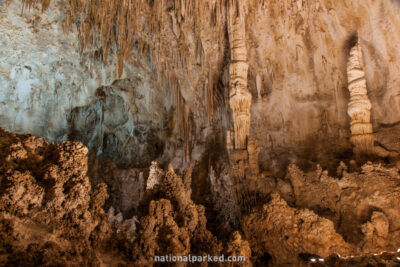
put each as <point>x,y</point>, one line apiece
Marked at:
<point>49,214</point>
<point>285,233</point>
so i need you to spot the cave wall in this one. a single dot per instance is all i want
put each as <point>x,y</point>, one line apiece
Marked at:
<point>297,54</point>
<point>299,50</point>
<point>42,77</point>
<point>49,89</point>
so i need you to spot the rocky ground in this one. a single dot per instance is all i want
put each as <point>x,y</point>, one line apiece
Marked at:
<point>51,215</point>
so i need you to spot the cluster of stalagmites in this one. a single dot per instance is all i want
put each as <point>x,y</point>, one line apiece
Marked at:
<point>50,215</point>
<point>174,225</point>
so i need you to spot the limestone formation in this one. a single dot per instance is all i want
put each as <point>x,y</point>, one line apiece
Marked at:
<point>144,83</point>
<point>364,206</point>
<point>154,176</point>
<point>359,108</point>
<point>111,127</point>
<point>294,53</point>
<point>240,97</point>
<point>126,227</point>
<point>254,151</point>
<point>240,248</point>
<point>49,213</point>
<point>126,186</point>
<point>285,233</point>
<point>46,184</point>
<point>174,224</point>
<point>223,198</point>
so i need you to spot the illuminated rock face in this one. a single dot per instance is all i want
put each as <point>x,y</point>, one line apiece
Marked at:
<point>359,108</point>
<point>179,67</point>
<point>240,97</point>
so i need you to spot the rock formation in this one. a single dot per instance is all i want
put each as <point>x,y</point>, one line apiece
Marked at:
<point>239,247</point>
<point>355,217</point>
<point>350,202</point>
<point>285,233</point>
<point>182,50</point>
<point>247,99</point>
<point>125,227</point>
<point>239,95</point>
<point>359,108</point>
<point>222,189</point>
<point>49,214</point>
<point>174,225</point>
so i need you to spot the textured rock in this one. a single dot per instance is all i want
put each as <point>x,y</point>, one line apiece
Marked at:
<point>359,108</point>
<point>126,227</point>
<point>155,175</point>
<point>49,214</point>
<point>41,75</point>
<point>239,247</point>
<point>223,198</point>
<point>364,206</point>
<point>239,96</point>
<point>126,187</point>
<point>49,89</point>
<point>174,225</point>
<point>285,233</point>
<point>120,125</point>
<point>237,91</point>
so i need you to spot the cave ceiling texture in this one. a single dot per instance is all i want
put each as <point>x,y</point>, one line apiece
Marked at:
<point>200,133</point>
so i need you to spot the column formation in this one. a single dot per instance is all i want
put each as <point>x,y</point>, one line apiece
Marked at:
<point>239,95</point>
<point>359,108</point>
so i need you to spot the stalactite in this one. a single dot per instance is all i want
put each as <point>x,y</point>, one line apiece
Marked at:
<point>359,108</point>
<point>127,26</point>
<point>113,28</point>
<point>240,97</point>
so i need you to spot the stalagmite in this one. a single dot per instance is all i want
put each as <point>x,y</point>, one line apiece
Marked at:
<point>359,108</point>
<point>240,97</point>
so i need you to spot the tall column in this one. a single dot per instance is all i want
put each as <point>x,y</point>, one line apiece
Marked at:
<point>240,97</point>
<point>359,108</point>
